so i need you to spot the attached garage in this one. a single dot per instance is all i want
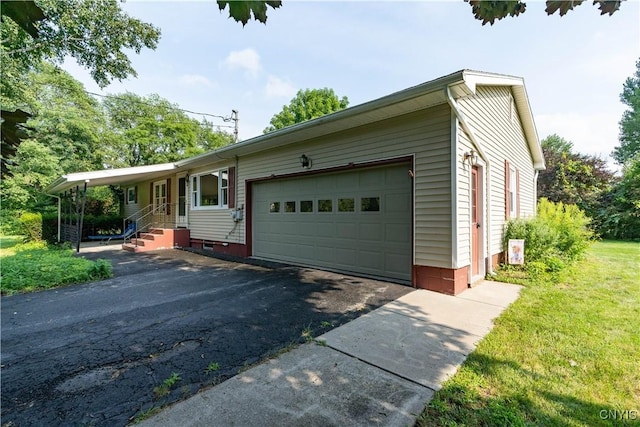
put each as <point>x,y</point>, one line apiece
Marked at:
<point>356,221</point>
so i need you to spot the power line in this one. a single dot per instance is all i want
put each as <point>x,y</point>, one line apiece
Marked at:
<point>224,118</point>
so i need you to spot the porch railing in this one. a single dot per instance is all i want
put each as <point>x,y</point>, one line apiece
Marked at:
<point>160,216</point>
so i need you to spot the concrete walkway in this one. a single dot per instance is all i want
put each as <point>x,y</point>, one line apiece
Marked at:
<point>380,369</point>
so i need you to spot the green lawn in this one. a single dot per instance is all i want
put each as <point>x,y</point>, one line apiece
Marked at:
<point>26,267</point>
<point>567,353</point>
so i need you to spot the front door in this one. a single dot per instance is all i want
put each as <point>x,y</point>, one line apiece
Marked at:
<point>159,196</point>
<point>181,212</point>
<point>475,223</point>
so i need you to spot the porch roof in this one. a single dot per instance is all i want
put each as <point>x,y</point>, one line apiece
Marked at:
<point>109,177</point>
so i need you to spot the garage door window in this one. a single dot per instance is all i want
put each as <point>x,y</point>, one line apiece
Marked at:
<point>370,204</point>
<point>274,207</point>
<point>290,207</point>
<point>325,205</point>
<point>346,205</point>
<point>306,206</point>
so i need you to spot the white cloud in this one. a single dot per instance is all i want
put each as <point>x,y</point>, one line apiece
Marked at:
<point>278,88</point>
<point>246,59</point>
<point>195,80</point>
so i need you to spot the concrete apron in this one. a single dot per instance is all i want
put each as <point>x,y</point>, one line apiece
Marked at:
<point>380,369</point>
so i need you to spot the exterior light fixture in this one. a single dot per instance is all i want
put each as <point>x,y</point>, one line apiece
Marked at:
<point>472,157</point>
<point>305,161</point>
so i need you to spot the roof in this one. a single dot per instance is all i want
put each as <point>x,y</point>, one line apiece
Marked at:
<point>109,177</point>
<point>461,83</point>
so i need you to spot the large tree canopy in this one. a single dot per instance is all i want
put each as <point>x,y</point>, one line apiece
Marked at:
<point>571,177</point>
<point>630,123</point>
<point>487,11</point>
<point>96,33</point>
<point>306,105</point>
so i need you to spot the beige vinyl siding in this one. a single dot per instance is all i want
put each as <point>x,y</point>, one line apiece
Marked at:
<point>464,200</point>
<point>425,134</point>
<point>215,223</point>
<point>143,198</point>
<point>502,138</point>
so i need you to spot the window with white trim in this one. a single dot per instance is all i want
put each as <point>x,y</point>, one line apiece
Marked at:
<point>513,192</point>
<point>210,190</point>
<point>131,195</point>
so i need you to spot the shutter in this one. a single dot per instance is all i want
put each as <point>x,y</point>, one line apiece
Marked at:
<point>517,193</point>
<point>135,194</point>
<point>507,207</point>
<point>168,196</point>
<point>151,193</point>
<point>126,195</point>
<point>232,188</point>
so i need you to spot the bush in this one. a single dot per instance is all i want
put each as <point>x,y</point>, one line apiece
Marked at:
<point>10,223</point>
<point>31,224</point>
<point>558,235</point>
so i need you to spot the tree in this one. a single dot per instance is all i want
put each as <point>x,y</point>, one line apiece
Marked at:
<point>630,123</point>
<point>306,105</point>
<point>96,33</point>
<point>66,119</point>
<point>487,11</point>
<point>572,178</point>
<point>149,130</point>
<point>618,215</point>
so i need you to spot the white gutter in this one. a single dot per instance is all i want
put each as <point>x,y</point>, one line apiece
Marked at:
<point>465,126</point>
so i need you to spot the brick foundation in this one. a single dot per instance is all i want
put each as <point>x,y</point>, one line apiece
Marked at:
<point>497,259</point>
<point>225,248</point>
<point>444,280</point>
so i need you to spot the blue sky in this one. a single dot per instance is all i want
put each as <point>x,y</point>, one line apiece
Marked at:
<point>573,66</point>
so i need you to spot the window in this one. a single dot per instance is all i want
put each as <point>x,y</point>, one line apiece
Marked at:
<point>274,207</point>
<point>370,204</point>
<point>290,207</point>
<point>131,195</point>
<point>346,205</point>
<point>512,191</point>
<point>306,206</point>
<point>210,190</point>
<point>325,205</point>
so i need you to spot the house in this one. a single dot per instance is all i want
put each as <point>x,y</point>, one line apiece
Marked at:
<point>414,187</point>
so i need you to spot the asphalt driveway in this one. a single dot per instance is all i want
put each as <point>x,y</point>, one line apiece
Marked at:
<point>93,354</point>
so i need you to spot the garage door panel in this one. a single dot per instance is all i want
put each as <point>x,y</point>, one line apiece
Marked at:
<point>371,232</point>
<point>373,238</point>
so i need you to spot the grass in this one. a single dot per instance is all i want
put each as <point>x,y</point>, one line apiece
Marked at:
<point>33,266</point>
<point>165,387</point>
<point>564,354</point>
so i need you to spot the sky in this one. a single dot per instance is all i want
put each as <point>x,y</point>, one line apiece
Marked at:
<point>573,66</point>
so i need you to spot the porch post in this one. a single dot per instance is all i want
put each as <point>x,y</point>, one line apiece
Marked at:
<point>84,202</point>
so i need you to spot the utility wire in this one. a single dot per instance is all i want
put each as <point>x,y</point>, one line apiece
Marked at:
<point>224,118</point>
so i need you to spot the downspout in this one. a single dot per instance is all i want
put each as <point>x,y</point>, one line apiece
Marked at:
<point>59,212</point>
<point>535,191</point>
<point>465,126</point>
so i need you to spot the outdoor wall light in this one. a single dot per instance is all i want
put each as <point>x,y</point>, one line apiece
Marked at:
<point>472,157</point>
<point>305,161</point>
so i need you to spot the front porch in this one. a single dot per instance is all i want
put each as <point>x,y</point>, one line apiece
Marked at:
<point>159,238</point>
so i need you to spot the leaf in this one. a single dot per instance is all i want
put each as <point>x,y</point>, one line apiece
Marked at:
<point>241,10</point>
<point>607,6</point>
<point>561,5</point>
<point>488,11</point>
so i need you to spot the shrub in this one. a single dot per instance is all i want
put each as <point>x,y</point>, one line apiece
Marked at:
<point>556,236</point>
<point>31,224</point>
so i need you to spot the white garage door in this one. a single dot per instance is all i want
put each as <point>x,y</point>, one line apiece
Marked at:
<point>357,221</point>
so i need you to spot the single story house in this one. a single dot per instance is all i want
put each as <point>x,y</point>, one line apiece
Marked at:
<point>414,187</point>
